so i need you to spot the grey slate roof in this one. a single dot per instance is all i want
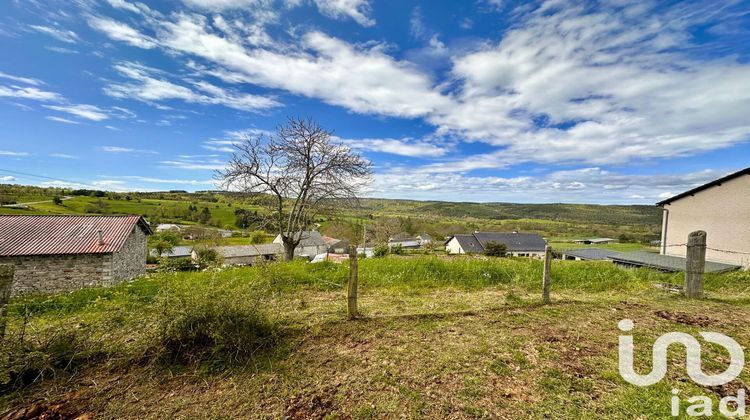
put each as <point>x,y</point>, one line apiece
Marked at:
<point>309,238</point>
<point>666,262</point>
<point>176,252</point>
<point>592,253</point>
<point>469,243</point>
<point>249,250</point>
<point>405,243</point>
<point>515,242</point>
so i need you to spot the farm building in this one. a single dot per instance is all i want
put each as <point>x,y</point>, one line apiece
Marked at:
<point>595,241</point>
<point>517,244</point>
<point>721,208</point>
<point>589,254</point>
<point>247,254</point>
<point>175,252</point>
<point>405,243</point>
<point>336,246</point>
<point>61,253</point>
<point>666,263</point>
<point>168,227</point>
<point>310,245</point>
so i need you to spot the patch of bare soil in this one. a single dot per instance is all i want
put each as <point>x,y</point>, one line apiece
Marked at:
<point>43,410</point>
<point>684,318</point>
<point>316,405</point>
<point>731,389</point>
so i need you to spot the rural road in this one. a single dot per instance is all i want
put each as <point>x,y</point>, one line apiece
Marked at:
<point>31,203</point>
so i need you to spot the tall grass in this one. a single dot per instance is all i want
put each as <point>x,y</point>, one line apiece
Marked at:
<point>224,317</point>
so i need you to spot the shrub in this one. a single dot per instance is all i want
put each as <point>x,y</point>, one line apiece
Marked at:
<point>397,250</point>
<point>57,200</point>
<point>176,264</point>
<point>495,249</point>
<point>258,237</point>
<point>208,257</point>
<point>380,251</point>
<point>214,322</point>
<point>49,353</point>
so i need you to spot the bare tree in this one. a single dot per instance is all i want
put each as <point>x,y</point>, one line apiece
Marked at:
<point>299,172</point>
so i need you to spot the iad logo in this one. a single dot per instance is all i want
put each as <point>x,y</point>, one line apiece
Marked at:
<point>693,367</point>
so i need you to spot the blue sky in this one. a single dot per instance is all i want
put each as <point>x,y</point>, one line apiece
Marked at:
<point>490,100</point>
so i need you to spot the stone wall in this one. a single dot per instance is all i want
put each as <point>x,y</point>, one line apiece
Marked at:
<point>130,261</point>
<point>57,273</point>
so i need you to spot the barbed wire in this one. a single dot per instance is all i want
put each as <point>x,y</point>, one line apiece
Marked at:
<point>712,249</point>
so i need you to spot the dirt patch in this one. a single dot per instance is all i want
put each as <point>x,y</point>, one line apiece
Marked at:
<point>686,319</point>
<point>49,411</point>
<point>731,389</point>
<point>315,405</point>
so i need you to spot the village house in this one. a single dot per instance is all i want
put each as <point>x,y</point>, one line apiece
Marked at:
<point>310,245</point>
<point>404,243</point>
<point>62,253</point>
<point>517,244</point>
<point>183,251</point>
<point>721,208</point>
<point>336,246</point>
<point>168,227</point>
<point>424,239</point>
<point>246,254</point>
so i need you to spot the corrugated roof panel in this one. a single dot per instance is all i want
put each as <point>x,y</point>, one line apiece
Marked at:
<point>667,262</point>
<point>50,235</point>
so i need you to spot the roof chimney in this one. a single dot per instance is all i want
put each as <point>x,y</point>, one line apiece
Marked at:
<point>101,237</point>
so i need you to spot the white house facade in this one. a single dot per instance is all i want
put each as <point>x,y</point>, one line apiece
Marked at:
<point>721,208</point>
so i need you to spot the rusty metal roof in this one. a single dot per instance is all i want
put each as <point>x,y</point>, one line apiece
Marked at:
<point>50,235</point>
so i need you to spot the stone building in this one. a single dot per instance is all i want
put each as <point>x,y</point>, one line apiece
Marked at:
<point>311,244</point>
<point>62,253</point>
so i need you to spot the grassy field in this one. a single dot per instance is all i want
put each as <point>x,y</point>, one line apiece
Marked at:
<point>439,338</point>
<point>171,211</point>
<point>633,223</point>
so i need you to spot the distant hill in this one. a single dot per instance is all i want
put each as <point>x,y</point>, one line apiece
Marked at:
<point>574,213</point>
<point>439,218</point>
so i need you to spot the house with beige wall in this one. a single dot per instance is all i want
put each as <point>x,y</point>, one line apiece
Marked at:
<point>721,208</point>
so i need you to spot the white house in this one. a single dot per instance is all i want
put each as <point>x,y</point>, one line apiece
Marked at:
<point>310,245</point>
<point>517,244</point>
<point>721,208</point>
<point>168,227</point>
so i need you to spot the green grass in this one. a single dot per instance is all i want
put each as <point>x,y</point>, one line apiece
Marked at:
<point>436,218</point>
<point>439,337</point>
<point>171,211</point>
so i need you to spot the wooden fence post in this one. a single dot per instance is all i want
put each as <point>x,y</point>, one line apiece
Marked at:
<point>6,282</point>
<point>546,274</point>
<point>353,287</point>
<point>695,264</point>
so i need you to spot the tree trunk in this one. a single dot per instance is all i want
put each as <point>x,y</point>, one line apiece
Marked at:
<point>289,250</point>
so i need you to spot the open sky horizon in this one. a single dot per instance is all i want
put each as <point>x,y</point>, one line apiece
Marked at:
<point>609,102</point>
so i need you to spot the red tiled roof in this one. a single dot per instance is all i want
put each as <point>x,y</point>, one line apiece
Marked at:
<point>48,235</point>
